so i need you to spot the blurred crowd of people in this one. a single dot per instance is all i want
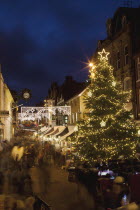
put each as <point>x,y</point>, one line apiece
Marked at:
<point>21,179</point>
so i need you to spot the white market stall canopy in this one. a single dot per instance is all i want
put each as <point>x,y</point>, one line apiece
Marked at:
<point>48,129</point>
<point>61,129</point>
<point>72,129</point>
<point>43,129</point>
<point>37,113</point>
<point>55,129</point>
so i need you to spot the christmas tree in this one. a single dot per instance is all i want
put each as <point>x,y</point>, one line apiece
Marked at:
<point>108,130</point>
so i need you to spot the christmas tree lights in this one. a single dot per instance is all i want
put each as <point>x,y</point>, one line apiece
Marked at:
<point>108,131</point>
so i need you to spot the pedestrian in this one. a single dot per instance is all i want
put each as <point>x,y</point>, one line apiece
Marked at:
<point>113,196</point>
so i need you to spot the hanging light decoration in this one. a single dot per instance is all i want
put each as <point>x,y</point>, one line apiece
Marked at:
<point>138,132</point>
<point>89,93</point>
<point>103,123</point>
<point>114,83</point>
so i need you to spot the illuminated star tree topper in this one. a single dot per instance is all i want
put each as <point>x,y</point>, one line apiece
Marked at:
<point>103,55</point>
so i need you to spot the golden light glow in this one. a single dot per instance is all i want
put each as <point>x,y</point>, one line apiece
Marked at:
<point>90,64</point>
<point>92,75</point>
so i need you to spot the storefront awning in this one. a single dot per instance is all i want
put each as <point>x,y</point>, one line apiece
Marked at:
<point>61,129</point>
<point>63,132</point>
<point>46,131</point>
<point>41,130</point>
<point>71,131</point>
<point>49,131</point>
<point>54,131</point>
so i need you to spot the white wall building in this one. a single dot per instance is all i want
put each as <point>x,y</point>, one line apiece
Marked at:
<point>6,120</point>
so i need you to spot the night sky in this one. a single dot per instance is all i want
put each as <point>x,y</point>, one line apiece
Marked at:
<point>43,41</point>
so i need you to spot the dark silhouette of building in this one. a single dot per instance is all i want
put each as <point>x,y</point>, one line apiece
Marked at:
<point>69,88</point>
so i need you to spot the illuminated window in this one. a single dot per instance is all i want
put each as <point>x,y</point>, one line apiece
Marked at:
<point>72,117</point>
<point>66,119</point>
<point>118,60</point>
<point>126,55</point>
<point>76,117</point>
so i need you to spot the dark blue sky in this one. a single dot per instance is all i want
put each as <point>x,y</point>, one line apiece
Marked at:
<point>42,41</point>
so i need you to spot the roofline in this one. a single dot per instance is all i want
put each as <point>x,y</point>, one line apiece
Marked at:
<point>78,95</point>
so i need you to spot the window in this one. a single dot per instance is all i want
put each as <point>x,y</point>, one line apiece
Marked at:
<point>72,117</point>
<point>76,116</point>
<point>127,83</point>
<point>138,68</point>
<point>126,57</point>
<point>66,119</point>
<point>118,60</point>
<point>124,21</point>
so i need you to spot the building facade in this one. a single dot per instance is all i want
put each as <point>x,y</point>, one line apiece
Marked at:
<point>123,44</point>
<point>60,95</point>
<point>6,111</point>
<point>78,109</point>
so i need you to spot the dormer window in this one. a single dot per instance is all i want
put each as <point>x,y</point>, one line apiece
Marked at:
<point>124,21</point>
